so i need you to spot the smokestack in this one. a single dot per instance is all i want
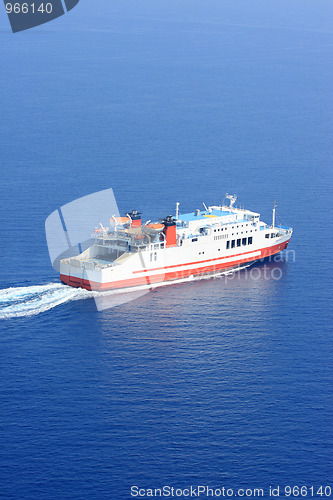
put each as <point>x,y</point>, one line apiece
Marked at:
<point>170,231</point>
<point>136,218</point>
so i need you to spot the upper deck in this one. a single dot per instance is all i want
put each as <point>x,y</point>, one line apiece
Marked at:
<point>216,215</point>
<point>203,214</point>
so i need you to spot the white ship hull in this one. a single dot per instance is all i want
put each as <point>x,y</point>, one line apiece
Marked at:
<point>204,244</point>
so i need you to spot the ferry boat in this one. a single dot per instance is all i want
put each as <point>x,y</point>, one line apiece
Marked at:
<point>129,253</point>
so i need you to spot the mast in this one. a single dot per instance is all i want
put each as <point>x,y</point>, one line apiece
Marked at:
<point>273,218</point>
<point>177,209</point>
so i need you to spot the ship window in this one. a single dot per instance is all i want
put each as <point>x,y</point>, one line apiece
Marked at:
<point>151,257</point>
<point>239,243</point>
<point>233,243</point>
<point>162,245</point>
<point>228,244</point>
<point>214,230</point>
<point>194,239</point>
<point>155,255</point>
<point>249,240</point>
<point>157,245</point>
<point>272,235</point>
<point>244,241</point>
<point>267,235</point>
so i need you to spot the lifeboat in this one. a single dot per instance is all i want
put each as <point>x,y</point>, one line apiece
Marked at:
<point>120,220</point>
<point>153,228</point>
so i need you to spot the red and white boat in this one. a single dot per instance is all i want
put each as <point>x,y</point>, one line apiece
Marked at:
<point>130,254</point>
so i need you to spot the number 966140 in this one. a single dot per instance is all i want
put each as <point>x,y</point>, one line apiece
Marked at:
<point>28,8</point>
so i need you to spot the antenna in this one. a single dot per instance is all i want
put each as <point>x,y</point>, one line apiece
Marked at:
<point>232,199</point>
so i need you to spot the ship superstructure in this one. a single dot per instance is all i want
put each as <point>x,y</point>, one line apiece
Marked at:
<point>129,253</point>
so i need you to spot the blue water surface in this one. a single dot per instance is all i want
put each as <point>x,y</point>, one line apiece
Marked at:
<point>219,382</point>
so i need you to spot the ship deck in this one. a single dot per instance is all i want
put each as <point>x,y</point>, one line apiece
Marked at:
<point>204,215</point>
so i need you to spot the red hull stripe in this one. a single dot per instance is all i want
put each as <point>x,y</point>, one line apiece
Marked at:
<point>271,250</point>
<point>173,275</point>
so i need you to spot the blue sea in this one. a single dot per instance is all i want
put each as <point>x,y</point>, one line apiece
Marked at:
<point>223,382</point>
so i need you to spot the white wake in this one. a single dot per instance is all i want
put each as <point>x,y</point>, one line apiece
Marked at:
<point>23,301</point>
<point>31,300</point>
